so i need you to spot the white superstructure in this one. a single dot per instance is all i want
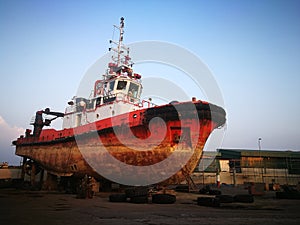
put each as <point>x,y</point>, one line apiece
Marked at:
<point>118,92</point>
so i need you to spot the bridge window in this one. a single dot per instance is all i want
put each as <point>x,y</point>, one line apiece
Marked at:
<point>111,85</point>
<point>121,85</point>
<point>133,90</point>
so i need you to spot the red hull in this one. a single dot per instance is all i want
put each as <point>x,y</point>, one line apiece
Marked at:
<point>136,139</point>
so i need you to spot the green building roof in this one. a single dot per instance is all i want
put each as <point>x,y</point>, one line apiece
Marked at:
<point>238,153</point>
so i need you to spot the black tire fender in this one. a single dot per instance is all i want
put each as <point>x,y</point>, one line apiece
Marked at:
<point>225,198</point>
<point>163,198</point>
<point>244,198</point>
<point>139,199</point>
<point>208,201</point>
<point>117,198</point>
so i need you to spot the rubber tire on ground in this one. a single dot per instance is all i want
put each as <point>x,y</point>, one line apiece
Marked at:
<point>139,199</point>
<point>163,199</point>
<point>244,198</point>
<point>117,198</point>
<point>136,191</point>
<point>225,198</point>
<point>286,195</point>
<point>282,195</point>
<point>182,188</point>
<point>214,192</point>
<point>207,201</point>
<point>204,190</point>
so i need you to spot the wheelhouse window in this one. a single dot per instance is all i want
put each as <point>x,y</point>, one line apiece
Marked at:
<point>133,90</point>
<point>111,85</point>
<point>121,85</point>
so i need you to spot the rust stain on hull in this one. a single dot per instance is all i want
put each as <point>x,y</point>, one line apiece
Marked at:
<point>64,155</point>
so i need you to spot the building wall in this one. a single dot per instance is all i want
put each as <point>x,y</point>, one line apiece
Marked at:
<point>10,173</point>
<point>257,175</point>
<point>247,174</point>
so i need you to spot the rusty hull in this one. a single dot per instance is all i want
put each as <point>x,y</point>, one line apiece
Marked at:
<point>81,149</point>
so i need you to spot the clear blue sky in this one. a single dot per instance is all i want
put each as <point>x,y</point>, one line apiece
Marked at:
<point>252,48</point>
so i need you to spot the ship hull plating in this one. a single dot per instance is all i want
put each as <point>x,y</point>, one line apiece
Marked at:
<point>141,138</point>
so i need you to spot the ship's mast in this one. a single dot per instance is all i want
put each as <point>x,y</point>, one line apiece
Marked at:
<point>120,40</point>
<point>120,46</point>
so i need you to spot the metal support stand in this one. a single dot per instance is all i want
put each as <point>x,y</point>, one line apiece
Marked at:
<point>23,168</point>
<point>190,182</point>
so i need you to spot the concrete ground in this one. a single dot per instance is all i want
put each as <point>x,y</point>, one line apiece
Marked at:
<point>45,208</point>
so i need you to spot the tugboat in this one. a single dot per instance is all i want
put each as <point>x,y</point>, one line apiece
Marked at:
<point>115,135</point>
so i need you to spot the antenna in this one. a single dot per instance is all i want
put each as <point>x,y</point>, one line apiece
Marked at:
<point>120,48</point>
<point>120,39</point>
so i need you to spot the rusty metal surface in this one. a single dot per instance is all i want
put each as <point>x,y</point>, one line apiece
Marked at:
<point>66,158</point>
<point>60,152</point>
